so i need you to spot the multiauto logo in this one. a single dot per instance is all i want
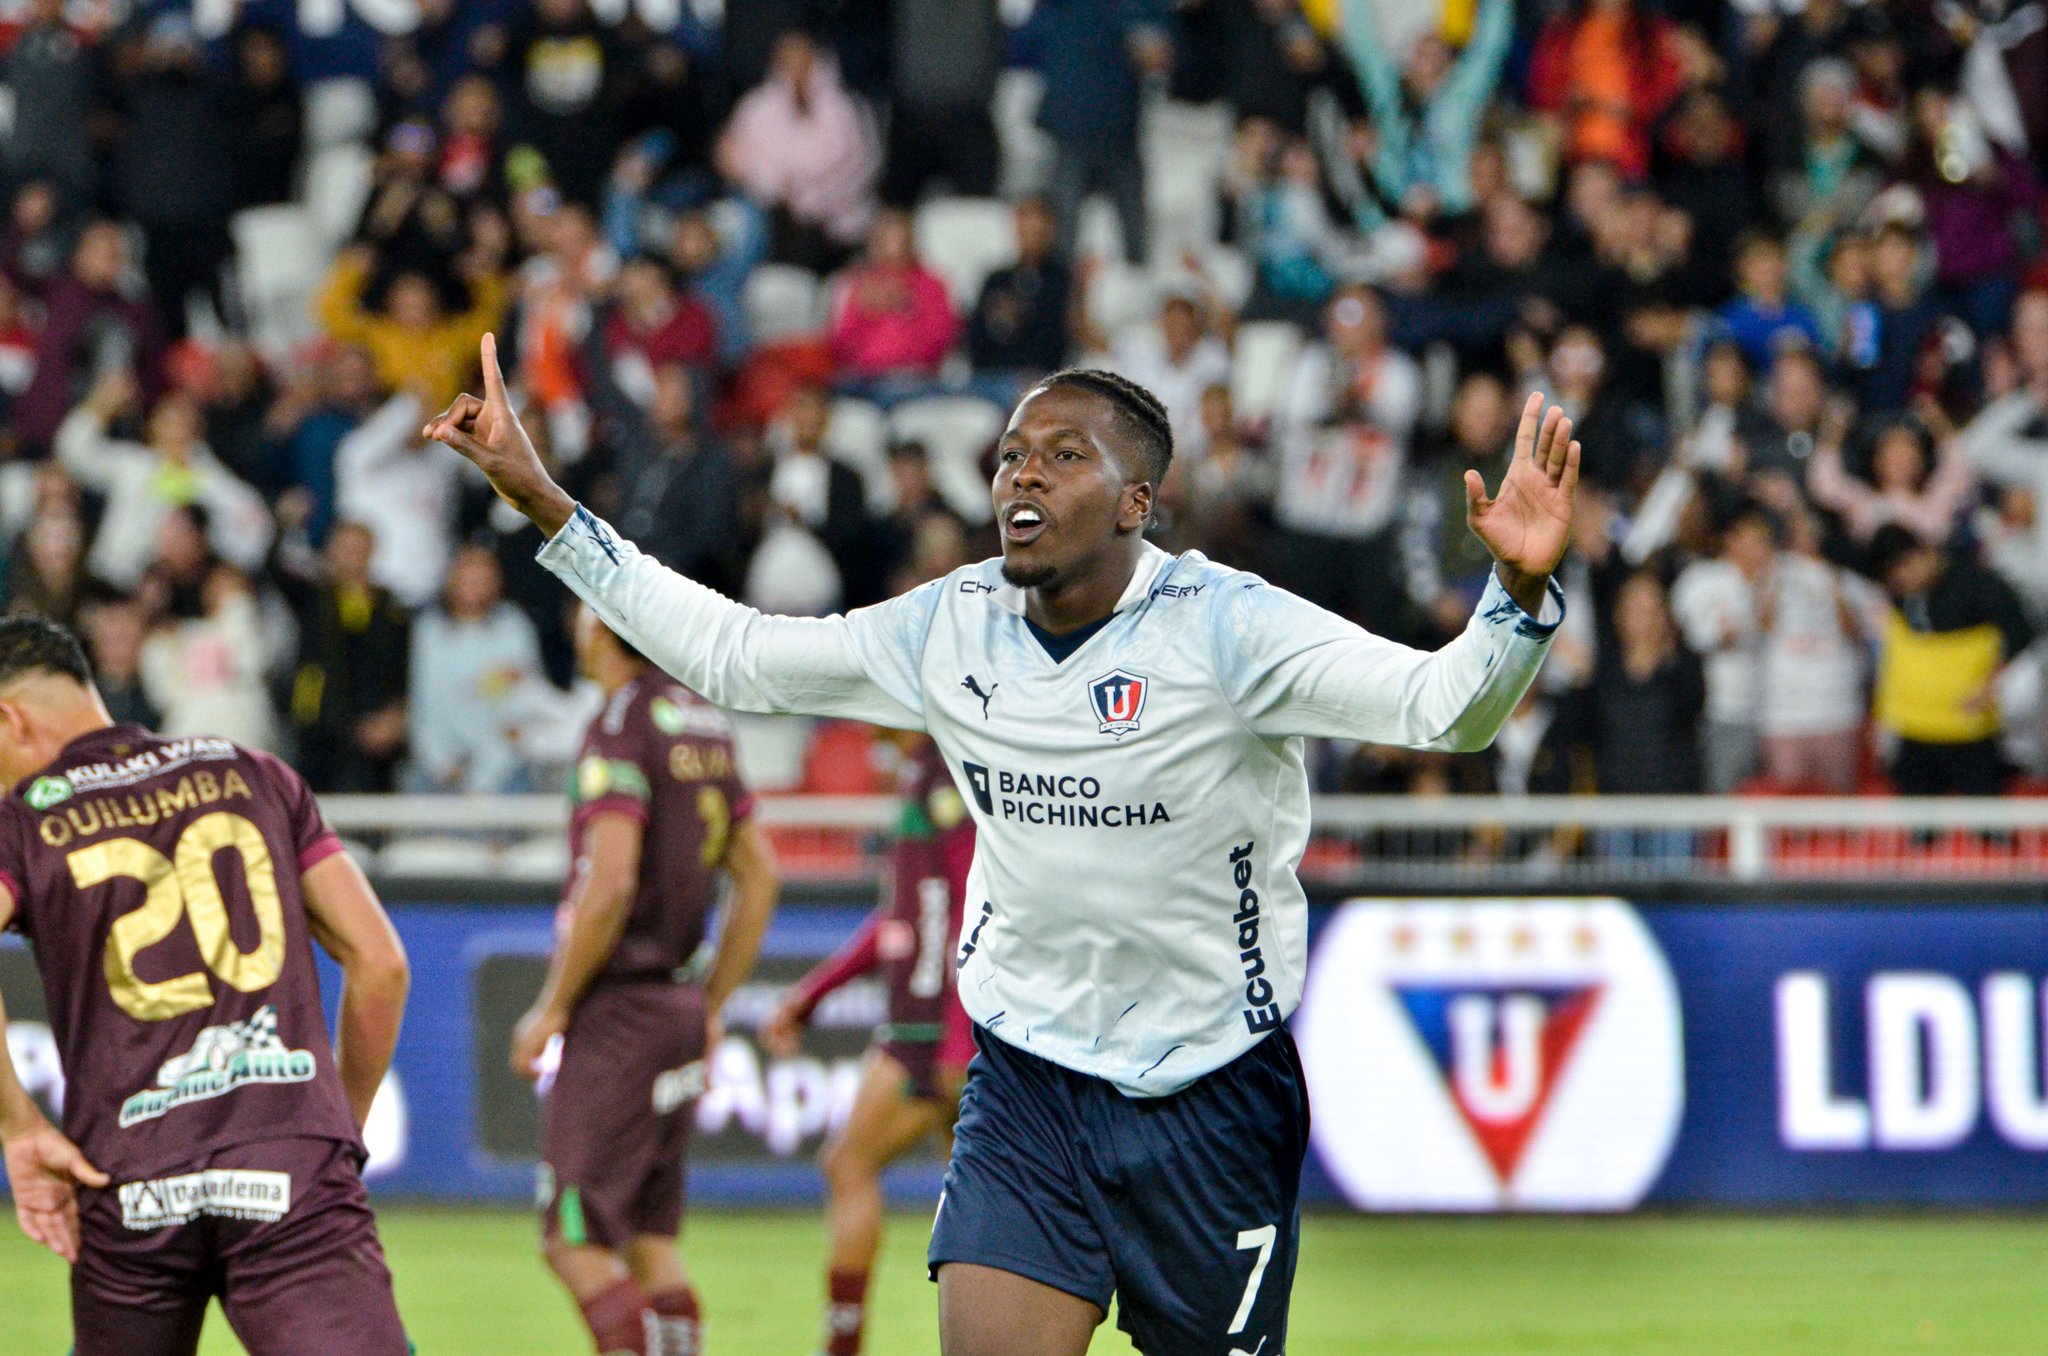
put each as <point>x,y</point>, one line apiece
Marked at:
<point>1492,1054</point>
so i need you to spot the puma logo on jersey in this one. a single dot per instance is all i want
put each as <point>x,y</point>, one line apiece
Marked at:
<point>973,684</point>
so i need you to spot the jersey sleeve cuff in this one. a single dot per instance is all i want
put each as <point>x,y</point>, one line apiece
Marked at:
<point>318,851</point>
<point>631,808</point>
<point>582,535</point>
<point>1497,607</point>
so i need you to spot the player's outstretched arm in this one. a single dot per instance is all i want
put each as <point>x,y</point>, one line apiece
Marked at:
<point>860,954</point>
<point>44,1169</point>
<point>351,926</point>
<point>858,667</point>
<point>1291,668</point>
<point>600,901</point>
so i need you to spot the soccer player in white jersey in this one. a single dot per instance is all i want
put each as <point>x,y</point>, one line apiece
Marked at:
<point>1128,725</point>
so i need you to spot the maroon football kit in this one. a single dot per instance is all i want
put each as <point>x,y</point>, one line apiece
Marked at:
<point>616,1122</point>
<point>911,937</point>
<point>158,882</point>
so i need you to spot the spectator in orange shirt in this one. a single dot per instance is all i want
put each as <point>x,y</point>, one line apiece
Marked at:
<point>1607,70</point>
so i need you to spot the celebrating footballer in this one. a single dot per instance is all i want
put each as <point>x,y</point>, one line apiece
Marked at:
<point>1134,935</point>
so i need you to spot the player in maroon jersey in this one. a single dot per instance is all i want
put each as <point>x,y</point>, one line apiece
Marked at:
<point>911,1086</point>
<point>660,817</point>
<point>171,890</point>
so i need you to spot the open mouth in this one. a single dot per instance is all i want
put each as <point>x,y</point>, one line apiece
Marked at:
<point>1023,523</point>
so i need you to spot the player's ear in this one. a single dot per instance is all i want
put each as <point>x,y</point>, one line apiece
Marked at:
<point>1134,511</point>
<point>13,731</point>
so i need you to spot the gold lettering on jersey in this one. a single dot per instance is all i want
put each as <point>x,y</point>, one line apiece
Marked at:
<point>717,817</point>
<point>134,932</point>
<point>84,818</point>
<point>696,763</point>
<point>171,799</point>
<point>185,886</point>
<point>248,971</point>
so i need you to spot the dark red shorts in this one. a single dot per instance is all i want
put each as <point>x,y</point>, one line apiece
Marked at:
<point>616,1123</point>
<point>279,1230</point>
<point>936,1068</point>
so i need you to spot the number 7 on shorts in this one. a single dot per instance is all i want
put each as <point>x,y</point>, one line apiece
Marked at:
<point>1262,1239</point>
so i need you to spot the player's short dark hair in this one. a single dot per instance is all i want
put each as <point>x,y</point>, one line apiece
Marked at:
<point>1144,418</point>
<point>31,644</point>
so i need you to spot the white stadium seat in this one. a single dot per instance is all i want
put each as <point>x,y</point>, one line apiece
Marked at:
<point>278,252</point>
<point>340,109</point>
<point>337,186</point>
<point>443,855</point>
<point>964,240</point>
<point>1231,272</point>
<point>1099,233</point>
<point>1121,296</point>
<point>1263,363</point>
<point>782,301</point>
<point>1226,269</point>
<point>1027,152</point>
<point>955,431</point>
<point>858,434</point>
<point>1186,149</point>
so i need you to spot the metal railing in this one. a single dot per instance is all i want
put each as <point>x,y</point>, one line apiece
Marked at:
<point>1642,844</point>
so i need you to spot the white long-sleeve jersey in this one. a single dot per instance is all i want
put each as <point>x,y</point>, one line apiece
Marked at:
<point>1141,806</point>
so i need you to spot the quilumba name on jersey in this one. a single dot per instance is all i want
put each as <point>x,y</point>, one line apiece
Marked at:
<point>1057,800</point>
<point>140,809</point>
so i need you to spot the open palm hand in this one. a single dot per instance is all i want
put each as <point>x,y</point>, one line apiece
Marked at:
<point>1528,521</point>
<point>46,1170</point>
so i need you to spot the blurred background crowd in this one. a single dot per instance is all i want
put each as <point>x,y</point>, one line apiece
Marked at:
<point>769,275</point>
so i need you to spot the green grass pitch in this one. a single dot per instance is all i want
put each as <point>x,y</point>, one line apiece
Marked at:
<point>469,1281</point>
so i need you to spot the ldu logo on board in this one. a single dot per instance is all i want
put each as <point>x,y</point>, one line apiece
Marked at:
<point>1492,1054</point>
<point>1118,699</point>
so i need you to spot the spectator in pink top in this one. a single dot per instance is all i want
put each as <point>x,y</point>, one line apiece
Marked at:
<point>799,145</point>
<point>1925,494</point>
<point>892,321</point>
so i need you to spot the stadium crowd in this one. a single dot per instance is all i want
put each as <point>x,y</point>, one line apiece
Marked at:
<point>769,287</point>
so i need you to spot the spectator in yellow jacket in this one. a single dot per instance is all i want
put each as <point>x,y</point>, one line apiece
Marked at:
<point>413,340</point>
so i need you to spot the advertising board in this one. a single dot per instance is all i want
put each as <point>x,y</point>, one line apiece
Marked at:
<point>1571,1053</point>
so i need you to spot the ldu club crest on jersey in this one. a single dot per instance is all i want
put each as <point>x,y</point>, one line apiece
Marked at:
<point>1118,699</point>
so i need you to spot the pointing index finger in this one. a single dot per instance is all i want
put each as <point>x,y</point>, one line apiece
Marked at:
<point>494,379</point>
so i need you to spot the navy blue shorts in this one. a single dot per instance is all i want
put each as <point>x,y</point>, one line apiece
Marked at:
<point>1186,1208</point>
